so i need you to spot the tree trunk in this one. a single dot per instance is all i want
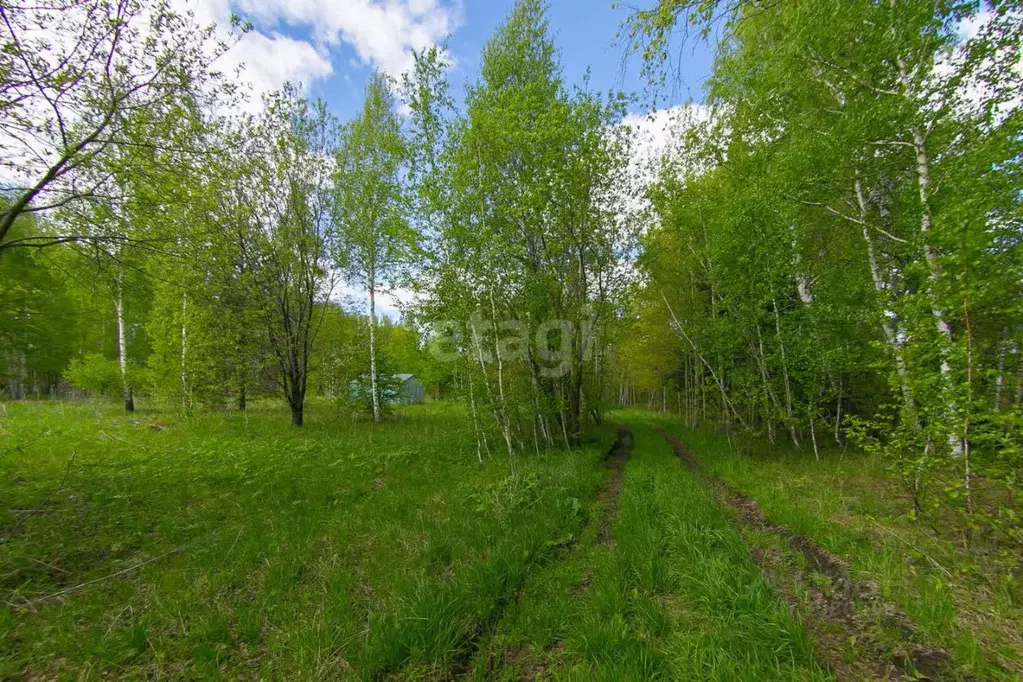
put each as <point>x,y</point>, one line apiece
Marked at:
<point>500,363</point>
<point>122,347</point>
<point>1000,376</point>
<point>890,337</point>
<point>785,376</point>
<point>803,284</point>
<point>241,397</point>
<point>184,350</point>
<point>373,351</point>
<point>575,408</point>
<point>475,422</point>
<point>721,386</point>
<point>297,409</point>
<point>923,176</point>
<point>931,256</point>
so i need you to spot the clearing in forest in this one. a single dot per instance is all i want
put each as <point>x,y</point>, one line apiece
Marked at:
<point>227,546</point>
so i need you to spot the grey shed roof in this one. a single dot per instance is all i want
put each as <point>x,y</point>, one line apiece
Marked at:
<point>405,377</point>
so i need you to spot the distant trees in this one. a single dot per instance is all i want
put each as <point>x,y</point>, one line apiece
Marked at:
<point>37,322</point>
<point>832,253</point>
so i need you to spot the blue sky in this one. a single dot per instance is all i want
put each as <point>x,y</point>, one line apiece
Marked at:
<point>585,32</point>
<point>332,47</point>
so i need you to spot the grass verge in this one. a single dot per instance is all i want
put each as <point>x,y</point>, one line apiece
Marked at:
<point>847,503</point>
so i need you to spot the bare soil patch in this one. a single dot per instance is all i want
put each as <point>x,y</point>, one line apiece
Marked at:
<point>615,460</point>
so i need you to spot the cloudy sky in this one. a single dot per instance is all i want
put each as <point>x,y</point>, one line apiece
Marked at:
<point>331,47</point>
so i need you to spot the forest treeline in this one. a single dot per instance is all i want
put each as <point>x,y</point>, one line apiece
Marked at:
<point>830,252</point>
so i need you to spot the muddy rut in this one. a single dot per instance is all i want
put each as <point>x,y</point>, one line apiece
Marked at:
<point>615,460</point>
<point>842,611</point>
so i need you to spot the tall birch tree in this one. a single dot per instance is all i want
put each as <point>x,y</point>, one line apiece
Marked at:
<point>371,205</point>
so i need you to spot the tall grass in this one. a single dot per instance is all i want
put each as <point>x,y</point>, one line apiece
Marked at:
<point>221,545</point>
<point>850,504</point>
<point>676,596</point>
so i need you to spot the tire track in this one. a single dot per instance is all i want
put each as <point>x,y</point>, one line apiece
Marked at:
<point>475,644</point>
<point>615,460</point>
<point>842,611</point>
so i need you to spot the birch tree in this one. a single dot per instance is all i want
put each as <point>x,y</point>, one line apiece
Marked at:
<point>78,77</point>
<point>834,128</point>
<point>371,205</point>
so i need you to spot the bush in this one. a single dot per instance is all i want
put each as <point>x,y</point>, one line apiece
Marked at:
<point>95,374</point>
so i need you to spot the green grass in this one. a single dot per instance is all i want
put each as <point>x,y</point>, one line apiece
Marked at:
<point>222,545</point>
<point>676,596</point>
<point>226,545</point>
<point>850,504</point>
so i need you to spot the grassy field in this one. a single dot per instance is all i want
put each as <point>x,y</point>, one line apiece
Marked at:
<point>233,546</point>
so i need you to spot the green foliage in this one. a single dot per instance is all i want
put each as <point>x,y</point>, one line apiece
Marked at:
<point>37,334</point>
<point>527,191</point>
<point>95,374</point>
<point>837,243</point>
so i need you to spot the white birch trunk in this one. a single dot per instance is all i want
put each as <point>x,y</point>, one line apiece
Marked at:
<point>122,346</point>
<point>923,172</point>
<point>803,286</point>
<point>785,376</point>
<point>887,329</point>
<point>475,421</point>
<point>502,423</point>
<point>184,349</point>
<point>1000,377</point>
<point>373,350</point>
<point>713,374</point>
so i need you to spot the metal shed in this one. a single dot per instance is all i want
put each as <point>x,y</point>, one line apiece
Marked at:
<point>408,390</point>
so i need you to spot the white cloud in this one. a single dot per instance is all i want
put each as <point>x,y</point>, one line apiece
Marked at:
<point>383,33</point>
<point>975,92</point>
<point>658,134</point>
<point>969,28</point>
<point>657,140</point>
<point>390,302</point>
<point>269,60</point>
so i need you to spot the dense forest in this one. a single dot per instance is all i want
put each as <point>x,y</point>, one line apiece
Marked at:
<point>827,255</point>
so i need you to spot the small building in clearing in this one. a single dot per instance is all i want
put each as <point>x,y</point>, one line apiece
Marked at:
<point>395,389</point>
<point>405,389</point>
